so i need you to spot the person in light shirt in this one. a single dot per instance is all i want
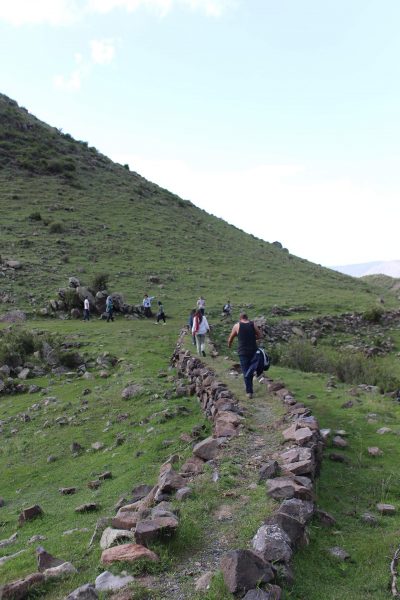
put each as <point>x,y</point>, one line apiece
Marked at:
<point>199,330</point>
<point>86,309</point>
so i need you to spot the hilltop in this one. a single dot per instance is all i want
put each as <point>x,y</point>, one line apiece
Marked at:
<point>66,209</point>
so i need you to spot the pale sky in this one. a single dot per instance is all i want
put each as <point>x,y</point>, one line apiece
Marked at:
<point>282,117</point>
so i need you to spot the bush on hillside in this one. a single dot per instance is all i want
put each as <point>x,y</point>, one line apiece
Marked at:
<point>35,216</point>
<point>56,227</point>
<point>373,315</point>
<point>16,345</point>
<point>71,299</point>
<point>100,282</point>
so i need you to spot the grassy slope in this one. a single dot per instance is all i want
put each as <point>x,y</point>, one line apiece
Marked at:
<point>115,221</point>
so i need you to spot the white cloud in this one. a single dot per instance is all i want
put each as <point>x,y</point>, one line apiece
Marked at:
<point>330,221</point>
<point>73,82</point>
<point>214,8</point>
<point>102,51</point>
<point>66,12</point>
<point>35,12</point>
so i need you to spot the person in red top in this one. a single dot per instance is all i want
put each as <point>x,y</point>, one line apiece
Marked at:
<point>247,333</point>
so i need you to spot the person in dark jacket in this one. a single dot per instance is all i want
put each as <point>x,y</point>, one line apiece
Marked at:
<point>248,334</point>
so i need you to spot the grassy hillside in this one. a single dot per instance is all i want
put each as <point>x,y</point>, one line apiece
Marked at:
<point>67,210</point>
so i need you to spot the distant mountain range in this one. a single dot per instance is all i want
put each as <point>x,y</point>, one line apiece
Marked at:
<point>389,267</point>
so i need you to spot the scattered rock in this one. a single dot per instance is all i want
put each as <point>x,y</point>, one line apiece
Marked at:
<point>9,541</point>
<point>67,491</point>
<point>384,430</point>
<point>45,560</point>
<point>18,590</point>
<point>89,507</point>
<point>339,442</point>
<point>63,570</point>
<point>28,514</point>
<point>325,518</point>
<point>10,557</point>
<point>112,536</point>
<point>85,592</point>
<point>375,451</point>
<point>107,582</point>
<point>148,531</point>
<point>386,509</point>
<point>339,553</point>
<point>127,553</point>
<point>369,519</point>
<point>203,583</point>
<point>131,391</point>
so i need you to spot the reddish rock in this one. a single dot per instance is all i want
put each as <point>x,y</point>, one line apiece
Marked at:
<point>125,520</point>
<point>127,553</point>
<point>28,514</point>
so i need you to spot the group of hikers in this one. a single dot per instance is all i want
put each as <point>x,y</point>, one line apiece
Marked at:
<point>245,330</point>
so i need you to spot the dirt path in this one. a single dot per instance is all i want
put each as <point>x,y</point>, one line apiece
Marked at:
<point>242,508</point>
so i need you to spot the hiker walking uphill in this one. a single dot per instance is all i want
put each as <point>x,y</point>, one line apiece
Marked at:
<point>201,305</point>
<point>199,330</point>
<point>147,305</point>
<point>109,309</point>
<point>160,313</point>
<point>248,334</point>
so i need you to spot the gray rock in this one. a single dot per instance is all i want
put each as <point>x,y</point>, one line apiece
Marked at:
<point>9,541</point>
<point>339,553</point>
<point>45,560</point>
<point>369,519</point>
<point>269,470</point>
<point>107,582</point>
<point>111,536</point>
<point>272,543</point>
<point>85,592</point>
<point>243,570</point>
<point>386,509</point>
<point>131,391</point>
<point>59,572</point>
<point>206,449</point>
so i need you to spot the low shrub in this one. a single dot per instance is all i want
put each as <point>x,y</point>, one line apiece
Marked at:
<point>56,227</point>
<point>373,315</point>
<point>35,216</point>
<point>100,282</point>
<point>16,345</point>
